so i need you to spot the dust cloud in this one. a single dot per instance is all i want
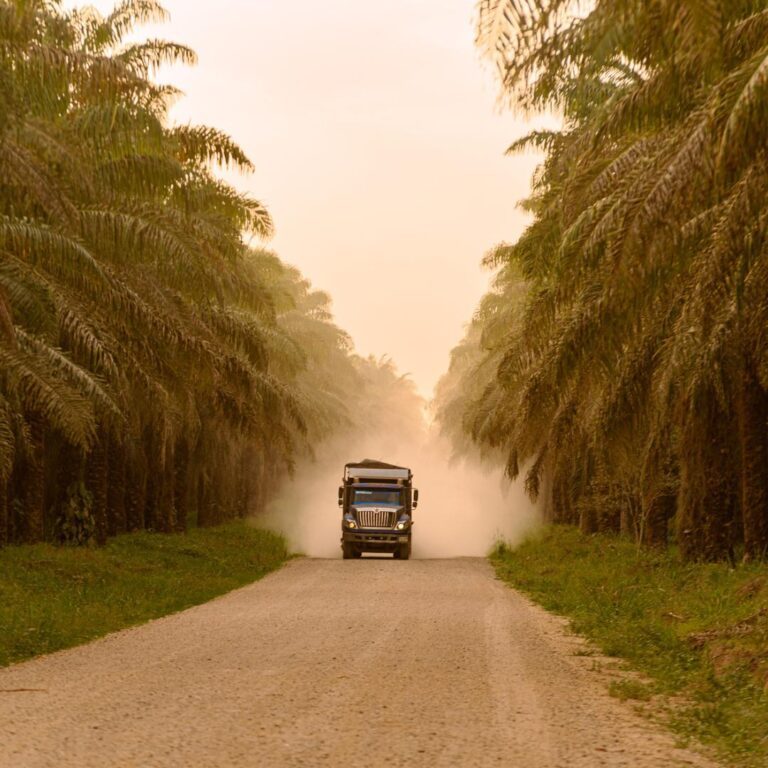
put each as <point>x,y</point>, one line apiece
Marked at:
<point>464,507</point>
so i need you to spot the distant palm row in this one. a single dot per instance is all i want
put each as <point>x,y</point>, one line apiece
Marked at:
<point>154,370</point>
<point>621,360</point>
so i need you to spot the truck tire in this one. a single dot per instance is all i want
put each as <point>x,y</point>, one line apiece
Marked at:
<point>347,551</point>
<point>403,552</point>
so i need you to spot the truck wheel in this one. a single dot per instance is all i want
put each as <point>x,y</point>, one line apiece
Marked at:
<point>404,552</point>
<point>357,553</point>
<point>347,551</point>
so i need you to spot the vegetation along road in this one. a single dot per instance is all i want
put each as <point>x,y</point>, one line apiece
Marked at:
<point>332,662</point>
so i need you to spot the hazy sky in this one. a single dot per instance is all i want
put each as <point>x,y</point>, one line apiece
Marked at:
<point>378,149</point>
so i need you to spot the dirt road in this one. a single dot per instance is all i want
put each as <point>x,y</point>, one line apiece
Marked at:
<point>332,663</point>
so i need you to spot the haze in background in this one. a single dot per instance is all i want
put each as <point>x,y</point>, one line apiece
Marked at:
<point>464,508</point>
<point>378,151</point>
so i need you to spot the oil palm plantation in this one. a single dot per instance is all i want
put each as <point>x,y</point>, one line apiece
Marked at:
<point>147,366</point>
<point>635,386</point>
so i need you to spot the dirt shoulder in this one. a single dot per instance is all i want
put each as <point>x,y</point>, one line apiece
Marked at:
<point>696,632</point>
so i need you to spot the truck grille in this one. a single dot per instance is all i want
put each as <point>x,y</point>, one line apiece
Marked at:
<point>376,518</point>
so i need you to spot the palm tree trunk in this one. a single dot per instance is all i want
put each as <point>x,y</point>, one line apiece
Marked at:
<point>629,517</point>
<point>181,484</point>
<point>609,520</point>
<point>116,514</point>
<point>752,405</point>
<point>166,516</point>
<point>153,484</point>
<point>244,481</point>
<point>589,520</point>
<point>34,481</point>
<point>205,512</point>
<point>136,492</point>
<point>96,481</point>
<point>658,509</point>
<point>69,461</point>
<point>658,481</point>
<point>708,499</point>
<point>4,527</point>
<point>608,512</point>
<point>562,511</point>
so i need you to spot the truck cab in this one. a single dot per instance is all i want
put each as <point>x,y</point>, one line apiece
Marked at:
<point>377,501</point>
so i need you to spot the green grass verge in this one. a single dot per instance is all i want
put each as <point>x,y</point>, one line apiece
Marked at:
<point>57,597</point>
<point>699,632</point>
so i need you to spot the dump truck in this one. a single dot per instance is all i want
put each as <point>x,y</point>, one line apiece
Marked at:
<point>377,502</point>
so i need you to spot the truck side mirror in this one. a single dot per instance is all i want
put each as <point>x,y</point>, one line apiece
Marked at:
<point>341,497</point>
<point>415,498</point>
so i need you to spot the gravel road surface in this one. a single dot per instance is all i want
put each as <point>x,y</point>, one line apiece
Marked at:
<point>367,662</point>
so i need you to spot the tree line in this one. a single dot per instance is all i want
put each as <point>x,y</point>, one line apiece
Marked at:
<point>620,361</point>
<point>156,371</point>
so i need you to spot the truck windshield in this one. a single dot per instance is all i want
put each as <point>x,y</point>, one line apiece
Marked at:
<point>376,496</point>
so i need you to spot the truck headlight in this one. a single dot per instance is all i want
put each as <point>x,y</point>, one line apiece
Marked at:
<point>402,525</point>
<point>350,523</point>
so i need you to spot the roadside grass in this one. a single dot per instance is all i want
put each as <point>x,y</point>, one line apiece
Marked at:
<point>698,632</point>
<point>58,597</point>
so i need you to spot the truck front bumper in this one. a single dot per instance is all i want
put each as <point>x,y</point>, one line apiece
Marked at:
<point>374,539</point>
